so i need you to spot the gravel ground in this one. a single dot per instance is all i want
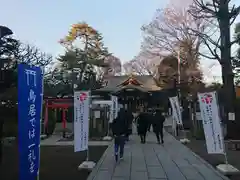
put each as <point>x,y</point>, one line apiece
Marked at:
<point>57,162</point>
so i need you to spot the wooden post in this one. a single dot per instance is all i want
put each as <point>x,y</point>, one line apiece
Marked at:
<point>46,117</point>
<point>64,122</point>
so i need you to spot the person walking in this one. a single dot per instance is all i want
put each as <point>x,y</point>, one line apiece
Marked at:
<point>142,125</point>
<point>119,129</point>
<point>157,123</point>
<point>149,118</point>
<point>129,122</point>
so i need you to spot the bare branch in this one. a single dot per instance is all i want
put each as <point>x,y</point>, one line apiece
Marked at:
<point>32,55</point>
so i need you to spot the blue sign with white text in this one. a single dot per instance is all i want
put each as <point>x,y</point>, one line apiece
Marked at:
<point>30,89</point>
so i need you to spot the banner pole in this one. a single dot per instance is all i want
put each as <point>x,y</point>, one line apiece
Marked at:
<point>39,163</point>
<point>221,124</point>
<point>90,111</point>
<point>87,158</point>
<point>108,124</point>
<point>87,164</point>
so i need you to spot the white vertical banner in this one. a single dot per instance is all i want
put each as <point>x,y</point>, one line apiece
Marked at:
<point>211,122</point>
<point>114,106</point>
<point>81,120</point>
<point>176,110</point>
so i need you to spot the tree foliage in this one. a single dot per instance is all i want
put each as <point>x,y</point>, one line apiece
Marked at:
<point>216,13</point>
<point>142,65</point>
<point>222,15</point>
<point>12,52</point>
<point>237,37</point>
<point>88,42</point>
<point>236,60</point>
<point>84,58</point>
<point>167,41</point>
<point>168,29</point>
<point>114,66</point>
<point>190,80</point>
<point>8,48</point>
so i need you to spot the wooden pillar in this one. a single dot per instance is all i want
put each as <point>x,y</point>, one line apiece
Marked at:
<point>64,118</point>
<point>46,116</point>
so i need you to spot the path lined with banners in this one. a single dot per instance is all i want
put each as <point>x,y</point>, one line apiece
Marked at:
<point>151,161</point>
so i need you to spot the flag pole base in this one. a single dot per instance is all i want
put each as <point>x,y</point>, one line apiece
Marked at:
<point>227,169</point>
<point>43,136</point>
<point>87,165</point>
<point>185,141</point>
<point>107,138</point>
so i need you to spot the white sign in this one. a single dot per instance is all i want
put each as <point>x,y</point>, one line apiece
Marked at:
<point>81,123</point>
<point>103,102</point>
<point>114,108</point>
<point>97,114</point>
<point>198,116</point>
<point>211,122</point>
<point>231,116</point>
<point>176,110</point>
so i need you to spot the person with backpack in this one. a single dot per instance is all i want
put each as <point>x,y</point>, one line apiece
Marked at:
<point>129,117</point>
<point>119,129</point>
<point>157,124</point>
<point>142,125</point>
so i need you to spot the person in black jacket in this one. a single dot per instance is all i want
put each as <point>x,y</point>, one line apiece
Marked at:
<point>142,125</point>
<point>149,121</point>
<point>157,123</point>
<point>119,129</point>
<point>129,122</point>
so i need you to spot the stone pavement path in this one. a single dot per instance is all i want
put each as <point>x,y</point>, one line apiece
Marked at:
<point>151,161</point>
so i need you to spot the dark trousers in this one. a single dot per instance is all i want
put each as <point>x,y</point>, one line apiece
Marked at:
<point>149,127</point>
<point>119,142</point>
<point>127,137</point>
<point>129,132</point>
<point>143,137</point>
<point>159,134</point>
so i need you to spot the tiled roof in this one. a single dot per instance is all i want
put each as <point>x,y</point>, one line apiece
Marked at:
<point>147,81</point>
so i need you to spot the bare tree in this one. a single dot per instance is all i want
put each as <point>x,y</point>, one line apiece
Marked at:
<point>113,66</point>
<point>142,64</point>
<point>222,17</point>
<point>26,53</point>
<point>168,37</point>
<point>32,55</point>
<point>169,28</point>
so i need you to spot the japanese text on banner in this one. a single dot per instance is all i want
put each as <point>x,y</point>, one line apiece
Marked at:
<point>31,82</point>
<point>211,122</point>
<point>30,87</point>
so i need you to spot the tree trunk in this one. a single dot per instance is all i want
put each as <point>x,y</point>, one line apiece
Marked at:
<point>227,74</point>
<point>1,141</point>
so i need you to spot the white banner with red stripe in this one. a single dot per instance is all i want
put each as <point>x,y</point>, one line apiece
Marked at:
<point>211,122</point>
<point>81,120</point>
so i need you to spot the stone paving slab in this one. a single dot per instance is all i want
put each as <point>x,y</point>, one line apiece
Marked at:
<point>151,161</point>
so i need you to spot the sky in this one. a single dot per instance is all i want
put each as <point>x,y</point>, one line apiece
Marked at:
<point>44,22</point>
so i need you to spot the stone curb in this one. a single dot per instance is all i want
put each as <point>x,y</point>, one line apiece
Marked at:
<point>202,160</point>
<point>95,170</point>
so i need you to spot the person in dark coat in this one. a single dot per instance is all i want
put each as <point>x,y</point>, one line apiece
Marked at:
<point>157,123</point>
<point>129,122</point>
<point>119,129</point>
<point>142,125</point>
<point>149,121</point>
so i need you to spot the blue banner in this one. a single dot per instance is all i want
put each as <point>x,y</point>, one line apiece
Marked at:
<point>30,89</point>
